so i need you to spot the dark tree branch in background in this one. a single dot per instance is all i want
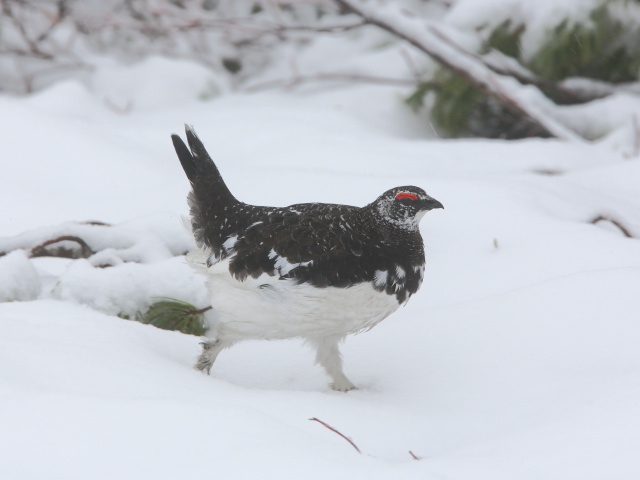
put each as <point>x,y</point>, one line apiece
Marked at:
<point>46,40</point>
<point>62,10</point>
<point>298,80</point>
<point>33,47</point>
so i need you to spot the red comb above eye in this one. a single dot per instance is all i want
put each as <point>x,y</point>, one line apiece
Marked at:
<point>410,196</point>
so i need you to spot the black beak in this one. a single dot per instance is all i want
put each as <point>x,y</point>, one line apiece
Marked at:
<point>431,203</point>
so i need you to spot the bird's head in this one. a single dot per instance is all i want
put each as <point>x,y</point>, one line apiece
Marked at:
<point>404,206</point>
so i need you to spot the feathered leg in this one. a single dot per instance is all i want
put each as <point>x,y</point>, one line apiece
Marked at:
<point>328,355</point>
<point>210,351</point>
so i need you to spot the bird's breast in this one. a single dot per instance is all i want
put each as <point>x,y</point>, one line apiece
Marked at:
<point>270,307</point>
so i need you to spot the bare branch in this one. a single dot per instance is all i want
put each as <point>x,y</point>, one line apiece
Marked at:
<point>199,311</point>
<point>41,250</point>
<point>298,80</point>
<point>62,9</point>
<point>314,419</point>
<point>32,45</point>
<point>602,218</point>
<point>414,456</point>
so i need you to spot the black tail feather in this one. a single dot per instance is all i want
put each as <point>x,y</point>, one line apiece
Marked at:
<point>188,164</point>
<point>199,167</point>
<point>196,145</point>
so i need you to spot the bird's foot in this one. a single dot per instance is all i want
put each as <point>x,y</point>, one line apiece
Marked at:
<point>210,350</point>
<point>343,386</point>
<point>203,366</point>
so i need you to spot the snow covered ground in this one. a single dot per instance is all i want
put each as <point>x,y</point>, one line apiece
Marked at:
<point>518,359</point>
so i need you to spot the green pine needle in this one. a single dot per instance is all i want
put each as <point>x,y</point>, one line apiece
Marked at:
<point>172,314</point>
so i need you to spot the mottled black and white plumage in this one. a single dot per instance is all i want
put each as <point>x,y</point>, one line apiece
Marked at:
<point>311,270</point>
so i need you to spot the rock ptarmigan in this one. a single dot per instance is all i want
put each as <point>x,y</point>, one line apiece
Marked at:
<point>312,270</point>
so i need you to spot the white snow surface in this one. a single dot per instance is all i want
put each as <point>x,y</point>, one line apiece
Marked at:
<point>518,358</point>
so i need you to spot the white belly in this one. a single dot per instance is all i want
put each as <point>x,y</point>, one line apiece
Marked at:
<point>270,308</point>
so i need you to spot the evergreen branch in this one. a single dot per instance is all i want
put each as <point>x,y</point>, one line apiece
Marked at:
<point>172,314</point>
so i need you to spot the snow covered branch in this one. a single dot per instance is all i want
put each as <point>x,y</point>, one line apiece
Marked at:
<point>526,100</point>
<point>102,244</point>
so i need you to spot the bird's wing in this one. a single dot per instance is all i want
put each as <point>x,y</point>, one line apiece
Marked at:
<point>320,245</point>
<point>316,246</point>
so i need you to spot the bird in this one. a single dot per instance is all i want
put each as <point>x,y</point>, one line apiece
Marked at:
<point>314,271</point>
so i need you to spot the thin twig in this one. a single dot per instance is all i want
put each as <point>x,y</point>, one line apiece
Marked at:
<point>62,9</point>
<point>33,46</point>
<point>314,419</point>
<point>329,77</point>
<point>414,456</point>
<point>198,311</point>
<point>623,229</point>
<point>39,250</point>
<point>96,223</point>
